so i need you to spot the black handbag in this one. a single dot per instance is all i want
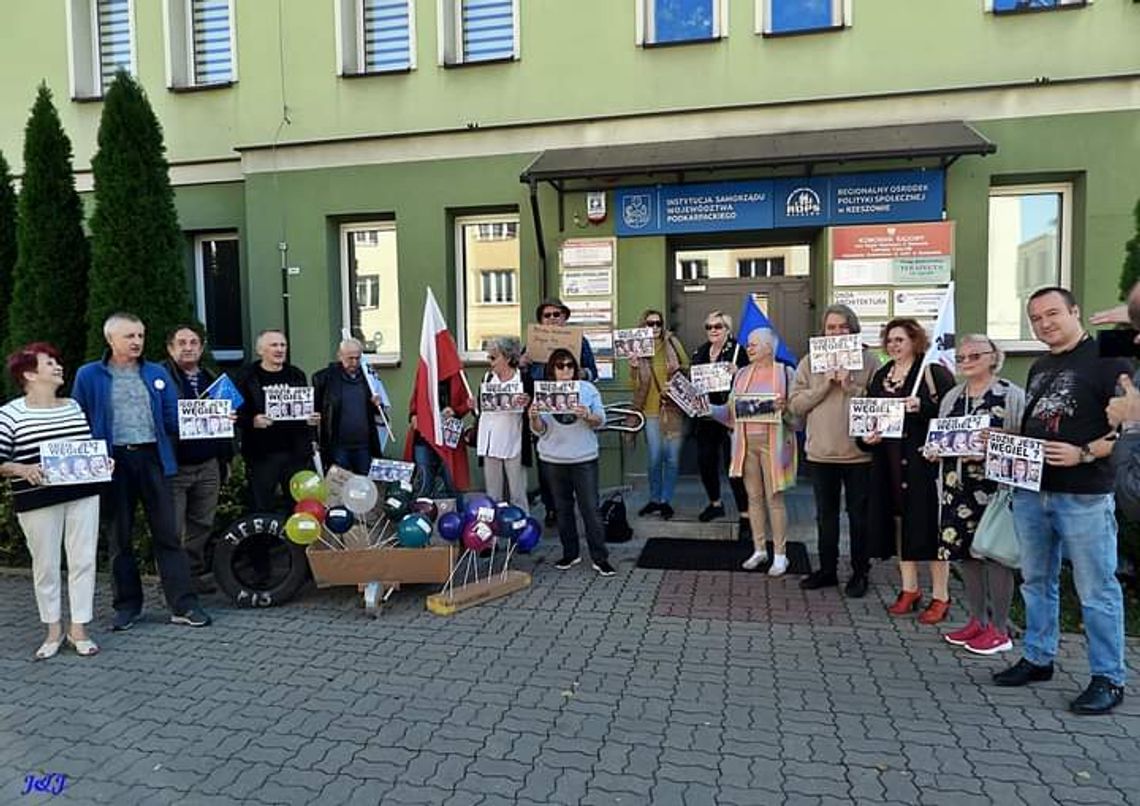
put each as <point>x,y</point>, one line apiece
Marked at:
<point>614,520</point>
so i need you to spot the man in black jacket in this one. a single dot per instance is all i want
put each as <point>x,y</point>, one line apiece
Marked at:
<point>349,411</point>
<point>203,464</point>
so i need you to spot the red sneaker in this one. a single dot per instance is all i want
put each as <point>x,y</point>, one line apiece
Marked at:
<point>989,642</point>
<point>963,635</point>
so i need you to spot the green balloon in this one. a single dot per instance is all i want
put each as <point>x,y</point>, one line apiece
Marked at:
<point>302,528</point>
<point>307,486</point>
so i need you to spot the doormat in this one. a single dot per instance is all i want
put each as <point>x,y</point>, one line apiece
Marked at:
<point>714,555</point>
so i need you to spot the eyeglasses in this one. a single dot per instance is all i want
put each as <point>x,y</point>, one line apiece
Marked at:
<point>715,326</point>
<point>653,323</point>
<point>552,314</point>
<point>962,358</point>
<point>564,365</point>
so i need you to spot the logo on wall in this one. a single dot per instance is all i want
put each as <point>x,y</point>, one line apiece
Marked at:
<point>635,212</point>
<point>802,202</point>
<point>596,206</point>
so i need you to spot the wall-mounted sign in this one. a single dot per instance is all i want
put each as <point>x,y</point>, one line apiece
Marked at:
<point>872,303</point>
<point>596,206</point>
<point>920,302</point>
<point>892,196</point>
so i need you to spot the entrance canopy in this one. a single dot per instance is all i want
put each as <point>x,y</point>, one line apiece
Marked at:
<point>944,141</point>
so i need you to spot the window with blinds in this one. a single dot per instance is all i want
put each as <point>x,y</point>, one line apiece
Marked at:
<point>112,39</point>
<point>386,32</point>
<point>211,41</point>
<point>488,30</point>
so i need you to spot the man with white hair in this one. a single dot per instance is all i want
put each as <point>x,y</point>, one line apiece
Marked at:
<point>349,410</point>
<point>132,404</point>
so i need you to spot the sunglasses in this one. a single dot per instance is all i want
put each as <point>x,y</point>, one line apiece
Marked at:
<point>715,326</point>
<point>653,323</point>
<point>564,365</point>
<point>962,358</point>
<point>552,314</point>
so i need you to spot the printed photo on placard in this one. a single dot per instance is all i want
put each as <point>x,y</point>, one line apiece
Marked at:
<point>634,342</point>
<point>691,399</point>
<point>556,396</point>
<point>391,470</point>
<point>759,407</point>
<point>715,377</point>
<point>502,397</point>
<point>881,415</point>
<point>958,436</point>
<point>1015,460</point>
<point>78,461</point>
<point>452,431</point>
<point>288,402</point>
<point>832,353</point>
<point>205,419</point>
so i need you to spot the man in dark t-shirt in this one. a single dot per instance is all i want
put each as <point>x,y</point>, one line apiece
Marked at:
<point>1074,512</point>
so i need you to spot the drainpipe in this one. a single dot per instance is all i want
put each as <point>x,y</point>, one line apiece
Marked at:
<point>541,241</point>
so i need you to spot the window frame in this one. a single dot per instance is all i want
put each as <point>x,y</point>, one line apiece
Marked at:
<point>449,35</point>
<point>763,17</point>
<point>478,355</point>
<point>178,24</point>
<point>200,285</point>
<point>644,12</point>
<point>988,7</point>
<point>348,284</point>
<point>350,56</point>
<point>1065,250</point>
<point>84,65</point>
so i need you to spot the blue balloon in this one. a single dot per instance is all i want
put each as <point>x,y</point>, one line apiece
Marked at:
<point>506,518</point>
<point>527,539</point>
<point>339,520</point>
<point>450,526</point>
<point>478,507</point>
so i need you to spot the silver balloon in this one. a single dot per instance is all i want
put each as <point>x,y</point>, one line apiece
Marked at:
<point>359,495</point>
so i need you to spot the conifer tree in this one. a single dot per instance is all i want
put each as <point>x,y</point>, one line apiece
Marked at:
<point>49,284</point>
<point>8,204</point>
<point>1130,273</point>
<point>136,244</point>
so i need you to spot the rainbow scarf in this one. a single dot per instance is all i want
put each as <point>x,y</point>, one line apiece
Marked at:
<point>781,439</point>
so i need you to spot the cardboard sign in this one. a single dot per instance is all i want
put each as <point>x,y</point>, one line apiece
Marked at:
<point>287,403</point>
<point>205,419</point>
<point>958,436</point>
<point>502,397</point>
<point>691,399</point>
<point>881,415</point>
<point>833,353</point>
<point>452,431</point>
<point>74,461</point>
<point>716,377</point>
<point>556,396</point>
<point>542,340</point>
<point>759,407</point>
<point>636,342</point>
<point>389,470</point>
<point>1015,460</point>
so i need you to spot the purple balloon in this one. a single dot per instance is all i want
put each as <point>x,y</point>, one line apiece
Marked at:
<point>478,535</point>
<point>479,507</point>
<point>450,526</point>
<point>527,540</point>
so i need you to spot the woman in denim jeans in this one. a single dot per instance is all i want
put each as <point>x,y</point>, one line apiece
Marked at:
<point>568,444</point>
<point>663,419</point>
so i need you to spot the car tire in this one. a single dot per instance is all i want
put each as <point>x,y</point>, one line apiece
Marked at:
<point>256,565</point>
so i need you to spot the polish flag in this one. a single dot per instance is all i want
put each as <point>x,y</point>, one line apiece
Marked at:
<point>439,363</point>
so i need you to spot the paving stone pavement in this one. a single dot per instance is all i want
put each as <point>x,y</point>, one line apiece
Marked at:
<point>578,690</point>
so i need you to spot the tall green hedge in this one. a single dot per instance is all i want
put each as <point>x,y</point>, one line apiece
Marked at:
<point>8,212</point>
<point>136,261</point>
<point>1130,272</point>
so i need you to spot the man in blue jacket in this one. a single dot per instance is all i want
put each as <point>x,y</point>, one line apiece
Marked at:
<point>132,404</point>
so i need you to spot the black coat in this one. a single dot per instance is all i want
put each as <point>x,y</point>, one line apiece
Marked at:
<point>919,477</point>
<point>328,395</point>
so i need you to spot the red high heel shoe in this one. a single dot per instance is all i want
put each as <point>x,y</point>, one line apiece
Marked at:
<point>935,612</point>
<point>907,602</point>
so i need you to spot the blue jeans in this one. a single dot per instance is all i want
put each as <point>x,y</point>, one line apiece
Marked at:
<point>432,467</point>
<point>358,460</point>
<point>664,460</point>
<point>1085,527</point>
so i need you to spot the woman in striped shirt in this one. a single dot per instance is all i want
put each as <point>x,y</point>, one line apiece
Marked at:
<point>50,516</point>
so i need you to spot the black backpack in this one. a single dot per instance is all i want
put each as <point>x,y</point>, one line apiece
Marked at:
<point>612,512</point>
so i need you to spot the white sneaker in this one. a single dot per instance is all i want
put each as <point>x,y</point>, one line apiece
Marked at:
<point>779,566</point>
<point>757,559</point>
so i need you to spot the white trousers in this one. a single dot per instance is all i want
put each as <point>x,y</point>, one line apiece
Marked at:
<point>496,471</point>
<point>74,525</point>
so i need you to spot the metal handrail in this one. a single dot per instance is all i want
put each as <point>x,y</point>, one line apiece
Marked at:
<point>616,414</point>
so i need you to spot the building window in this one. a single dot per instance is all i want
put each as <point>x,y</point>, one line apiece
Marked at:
<point>692,269</point>
<point>799,16</point>
<point>661,22</point>
<point>102,43</point>
<point>218,297</point>
<point>1030,246</point>
<point>472,31</point>
<point>488,279</point>
<point>200,43</point>
<point>370,297</point>
<point>760,267</point>
<point>1018,6</point>
<point>375,36</point>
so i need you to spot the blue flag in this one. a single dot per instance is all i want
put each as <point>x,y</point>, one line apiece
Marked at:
<point>223,389</point>
<point>751,317</point>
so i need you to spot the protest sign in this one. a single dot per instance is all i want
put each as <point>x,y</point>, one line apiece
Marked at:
<point>556,396</point>
<point>77,461</point>
<point>502,397</point>
<point>205,419</point>
<point>716,377</point>
<point>635,342</point>
<point>832,353</point>
<point>452,431</point>
<point>288,402</point>
<point>759,407</point>
<point>391,470</point>
<point>870,415</point>
<point>1015,460</point>
<point>958,436</point>
<point>542,340</point>
<point>691,400</point>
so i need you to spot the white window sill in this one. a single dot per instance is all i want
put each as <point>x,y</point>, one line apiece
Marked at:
<point>1021,346</point>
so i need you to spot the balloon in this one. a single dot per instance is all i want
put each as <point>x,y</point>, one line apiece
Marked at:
<point>479,507</point>
<point>527,539</point>
<point>505,517</point>
<point>478,535</point>
<point>313,507</point>
<point>396,501</point>
<point>359,495</point>
<point>427,508</point>
<point>414,531</point>
<point>307,485</point>
<point>339,520</point>
<point>302,528</point>
<point>450,526</point>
